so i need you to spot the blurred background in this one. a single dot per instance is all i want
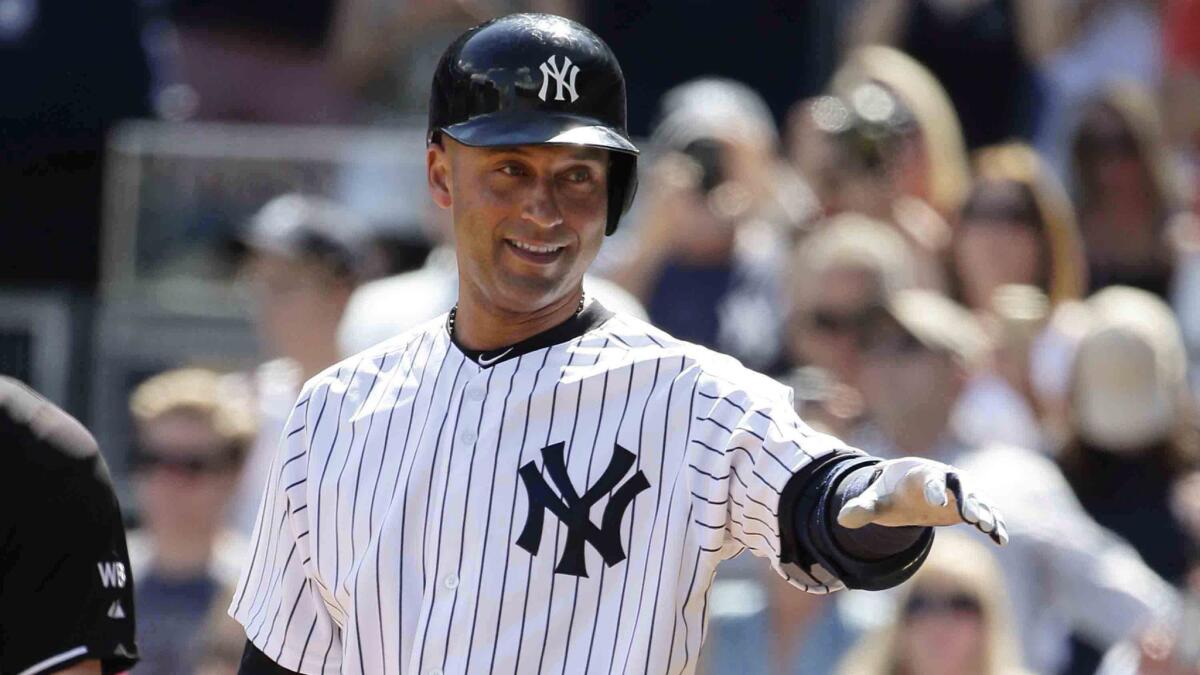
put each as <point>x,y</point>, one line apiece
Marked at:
<point>960,229</point>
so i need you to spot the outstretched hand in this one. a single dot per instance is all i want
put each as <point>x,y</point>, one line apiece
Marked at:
<point>912,491</point>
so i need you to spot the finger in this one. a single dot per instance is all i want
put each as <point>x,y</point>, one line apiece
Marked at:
<point>987,520</point>
<point>969,509</point>
<point>1000,535</point>
<point>935,491</point>
<point>859,511</point>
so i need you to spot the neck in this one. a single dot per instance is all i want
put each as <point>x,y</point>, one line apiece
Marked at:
<point>183,557</point>
<point>318,356</point>
<point>482,326</point>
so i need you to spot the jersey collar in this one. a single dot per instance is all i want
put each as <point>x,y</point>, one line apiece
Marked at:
<point>592,316</point>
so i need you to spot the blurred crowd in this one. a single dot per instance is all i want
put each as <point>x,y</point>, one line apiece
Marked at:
<point>969,230</point>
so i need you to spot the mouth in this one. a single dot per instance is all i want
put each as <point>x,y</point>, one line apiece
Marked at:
<point>540,254</point>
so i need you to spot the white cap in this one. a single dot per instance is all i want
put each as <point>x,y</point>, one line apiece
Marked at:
<point>1129,371</point>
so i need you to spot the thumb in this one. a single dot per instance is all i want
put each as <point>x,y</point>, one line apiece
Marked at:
<point>860,511</point>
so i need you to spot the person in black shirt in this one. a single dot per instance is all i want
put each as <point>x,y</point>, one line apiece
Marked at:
<point>66,590</point>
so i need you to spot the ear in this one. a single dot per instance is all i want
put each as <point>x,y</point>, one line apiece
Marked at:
<point>437,170</point>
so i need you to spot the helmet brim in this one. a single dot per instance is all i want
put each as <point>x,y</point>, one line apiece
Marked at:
<point>539,128</point>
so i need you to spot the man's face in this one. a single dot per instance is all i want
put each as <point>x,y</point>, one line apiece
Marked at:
<point>290,298</point>
<point>904,383</point>
<point>185,474</point>
<point>528,220</point>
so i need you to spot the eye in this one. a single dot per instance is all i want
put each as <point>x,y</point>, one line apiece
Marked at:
<point>512,169</point>
<point>579,175</point>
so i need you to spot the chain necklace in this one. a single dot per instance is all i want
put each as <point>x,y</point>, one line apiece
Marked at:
<point>454,313</point>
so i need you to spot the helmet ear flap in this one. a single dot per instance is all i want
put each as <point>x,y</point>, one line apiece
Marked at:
<point>622,186</point>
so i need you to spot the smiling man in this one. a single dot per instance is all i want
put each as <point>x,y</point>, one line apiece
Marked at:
<point>532,482</point>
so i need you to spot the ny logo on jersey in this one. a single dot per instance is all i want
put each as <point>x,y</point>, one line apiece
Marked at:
<point>573,509</point>
<point>550,70</point>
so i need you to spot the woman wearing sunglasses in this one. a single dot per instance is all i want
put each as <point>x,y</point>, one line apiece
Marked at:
<point>950,620</point>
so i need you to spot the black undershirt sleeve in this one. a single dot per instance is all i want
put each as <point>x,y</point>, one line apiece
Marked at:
<point>254,662</point>
<point>873,557</point>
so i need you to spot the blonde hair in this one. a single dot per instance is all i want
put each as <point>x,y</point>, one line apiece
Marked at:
<point>225,400</point>
<point>1019,163</point>
<point>969,566</point>
<point>857,241</point>
<point>920,91</point>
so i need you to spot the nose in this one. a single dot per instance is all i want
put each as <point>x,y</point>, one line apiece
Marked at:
<point>541,208</point>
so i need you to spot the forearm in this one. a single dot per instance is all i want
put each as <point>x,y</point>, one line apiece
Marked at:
<point>872,557</point>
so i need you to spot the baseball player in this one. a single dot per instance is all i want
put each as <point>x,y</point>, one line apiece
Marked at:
<point>66,590</point>
<point>532,483</point>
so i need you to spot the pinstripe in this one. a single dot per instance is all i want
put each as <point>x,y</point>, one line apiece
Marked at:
<point>633,519</point>
<point>657,505</point>
<point>488,518</point>
<point>529,572</point>
<point>557,529</point>
<point>662,556</point>
<point>723,457</point>
<point>512,507</point>
<point>604,569</point>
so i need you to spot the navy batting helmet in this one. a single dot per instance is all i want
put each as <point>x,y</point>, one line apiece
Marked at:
<point>536,79</point>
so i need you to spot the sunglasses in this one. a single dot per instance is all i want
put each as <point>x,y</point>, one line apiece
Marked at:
<point>144,460</point>
<point>832,321</point>
<point>955,603</point>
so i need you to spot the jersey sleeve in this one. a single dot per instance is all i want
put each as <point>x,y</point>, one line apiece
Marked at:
<point>281,603</point>
<point>66,590</point>
<point>746,450</point>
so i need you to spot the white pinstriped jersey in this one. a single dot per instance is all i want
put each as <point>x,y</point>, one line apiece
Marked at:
<point>558,512</point>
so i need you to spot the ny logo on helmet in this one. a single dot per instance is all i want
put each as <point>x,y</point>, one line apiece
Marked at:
<point>550,70</point>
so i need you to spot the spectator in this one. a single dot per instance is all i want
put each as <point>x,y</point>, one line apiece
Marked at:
<point>934,168</point>
<point>1126,190</point>
<point>838,275</point>
<point>715,220</point>
<point>1062,571</point>
<point>304,257</point>
<point>952,620</point>
<point>959,40</point>
<point>1133,425</point>
<point>1017,227</point>
<point>265,61</point>
<point>1101,42</point>
<point>194,428</point>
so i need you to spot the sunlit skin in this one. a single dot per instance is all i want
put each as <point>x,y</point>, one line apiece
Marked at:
<point>297,307</point>
<point>843,292</point>
<point>502,198</point>
<point>182,512</point>
<point>991,253</point>
<point>944,642</point>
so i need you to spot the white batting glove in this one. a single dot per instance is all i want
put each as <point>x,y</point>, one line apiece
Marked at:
<point>913,491</point>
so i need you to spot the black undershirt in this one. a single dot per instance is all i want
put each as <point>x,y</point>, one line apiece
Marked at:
<point>592,316</point>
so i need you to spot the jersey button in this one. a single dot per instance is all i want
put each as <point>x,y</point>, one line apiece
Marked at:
<point>468,437</point>
<point>435,671</point>
<point>451,581</point>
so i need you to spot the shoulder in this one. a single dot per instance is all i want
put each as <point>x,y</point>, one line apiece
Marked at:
<point>37,435</point>
<point>715,374</point>
<point>369,364</point>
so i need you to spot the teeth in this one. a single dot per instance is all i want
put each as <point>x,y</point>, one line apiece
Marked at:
<point>532,248</point>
